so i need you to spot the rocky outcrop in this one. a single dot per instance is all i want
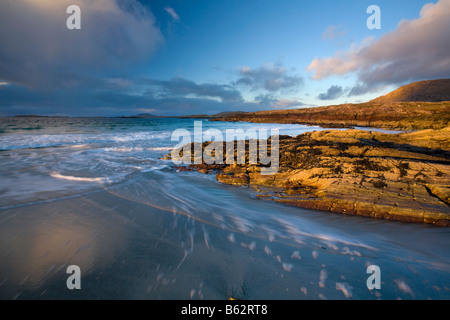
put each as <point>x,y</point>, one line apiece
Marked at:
<point>388,115</point>
<point>403,177</point>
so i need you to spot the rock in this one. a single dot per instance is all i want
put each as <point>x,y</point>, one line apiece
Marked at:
<point>443,193</point>
<point>181,168</point>
<point>239,179</point>
<point>203,170</point>
<point>403,177</point>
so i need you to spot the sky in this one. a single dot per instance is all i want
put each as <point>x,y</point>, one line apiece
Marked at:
<point>178,57</point>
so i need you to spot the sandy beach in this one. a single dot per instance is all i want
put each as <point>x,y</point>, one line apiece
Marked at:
<point>160,233</point>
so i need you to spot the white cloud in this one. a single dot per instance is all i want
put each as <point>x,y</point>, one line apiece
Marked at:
<point>270,77</point>
<point>417,49</point>
<point>172,13</point>
<point>333,32</point>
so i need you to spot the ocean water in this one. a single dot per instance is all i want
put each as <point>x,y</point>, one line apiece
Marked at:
<point>94,192</point>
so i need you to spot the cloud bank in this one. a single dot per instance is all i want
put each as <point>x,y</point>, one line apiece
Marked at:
<point>112,96</point>
<point>180,87</point>
<point>418,49</point>
<point>38,51</point>
<point>47,69</point>
<point>332,93</point>
<point>270,77</point>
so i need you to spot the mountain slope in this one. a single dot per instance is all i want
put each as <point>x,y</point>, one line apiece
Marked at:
<point>430,90</point>
<point>411,107</point>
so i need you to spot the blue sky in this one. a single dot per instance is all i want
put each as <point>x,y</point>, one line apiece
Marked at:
<point>189,57</point>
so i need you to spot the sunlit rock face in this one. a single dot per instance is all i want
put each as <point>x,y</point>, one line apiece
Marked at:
<point>398,177</point>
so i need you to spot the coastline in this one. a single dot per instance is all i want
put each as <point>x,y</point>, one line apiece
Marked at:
<point>401,177</point>
<point>104,200</point>
<point>402,115</point>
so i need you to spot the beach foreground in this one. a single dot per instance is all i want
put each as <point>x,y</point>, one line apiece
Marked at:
<point>187,237</point>
<point>95,193</point>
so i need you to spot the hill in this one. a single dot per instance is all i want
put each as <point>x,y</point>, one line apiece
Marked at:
<point>430,90</point>
<point>217,115</point>
<point>400,109</point>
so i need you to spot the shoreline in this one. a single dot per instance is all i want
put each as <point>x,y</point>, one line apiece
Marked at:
<point>401,115</point>
<point>401,177</point>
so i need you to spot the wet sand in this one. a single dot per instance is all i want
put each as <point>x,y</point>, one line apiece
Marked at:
<point>162,235</point>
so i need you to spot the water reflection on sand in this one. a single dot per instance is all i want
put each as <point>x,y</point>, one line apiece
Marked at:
<point>161,235</point>
<point>41,241</point>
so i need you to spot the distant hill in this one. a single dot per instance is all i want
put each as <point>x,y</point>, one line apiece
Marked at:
<point>29,116</point>
<point>430,91</point>
<point>419,105</point>
<point>227,114</point>
<point>217,115</point>
<point>141,115</point>
<point>146,115</point>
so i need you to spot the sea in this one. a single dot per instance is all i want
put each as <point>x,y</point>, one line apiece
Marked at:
<point>96,193</point>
